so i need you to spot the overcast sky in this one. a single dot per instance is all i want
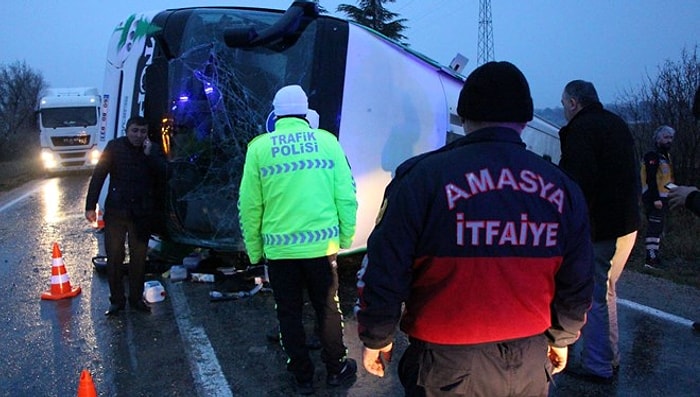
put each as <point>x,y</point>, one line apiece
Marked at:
<point>613,43</point>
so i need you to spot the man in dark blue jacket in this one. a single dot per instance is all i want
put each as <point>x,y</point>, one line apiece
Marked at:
<point>133,165</point>
<point>488,246</point>
<point>597,150</point>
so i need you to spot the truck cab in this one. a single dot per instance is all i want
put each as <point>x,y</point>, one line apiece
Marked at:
<point>68,122</point>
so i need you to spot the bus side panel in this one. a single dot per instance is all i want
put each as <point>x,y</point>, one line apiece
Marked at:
<point>542,138</point>
<point>121,88</point>
<point>393,108</point>
<point>128,54</point>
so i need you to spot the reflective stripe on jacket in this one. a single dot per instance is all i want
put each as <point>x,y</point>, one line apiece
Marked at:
<point>297,197</point>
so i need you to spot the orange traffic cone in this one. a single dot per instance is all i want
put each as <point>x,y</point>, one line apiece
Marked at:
<point>86,388</point>
<point>100,223</point>
<point>60,283</point>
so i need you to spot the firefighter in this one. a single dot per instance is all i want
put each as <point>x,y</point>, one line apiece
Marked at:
<point>488,246</point>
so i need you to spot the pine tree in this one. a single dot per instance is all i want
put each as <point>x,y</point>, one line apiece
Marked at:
<point>371,13</point>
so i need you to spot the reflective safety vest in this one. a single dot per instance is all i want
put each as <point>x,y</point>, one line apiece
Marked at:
<point>297,197</point>
<point>656,171</point>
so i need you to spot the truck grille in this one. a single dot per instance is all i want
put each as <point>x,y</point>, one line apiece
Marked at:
<point>82,140</point>
<point>72,155</point>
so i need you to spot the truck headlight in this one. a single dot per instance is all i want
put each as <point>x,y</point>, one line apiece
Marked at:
<point>49,159</point>
<point>94,156</point>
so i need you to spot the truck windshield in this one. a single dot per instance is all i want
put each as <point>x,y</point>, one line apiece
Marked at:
<point>68,117</point>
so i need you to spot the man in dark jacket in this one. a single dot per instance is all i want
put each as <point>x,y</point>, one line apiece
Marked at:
<point>597,150</point>
<point>488,246</point>
<point>133,169</point>
<point>688,196</point>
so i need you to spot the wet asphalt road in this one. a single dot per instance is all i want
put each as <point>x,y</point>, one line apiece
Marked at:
<point>190,346</point>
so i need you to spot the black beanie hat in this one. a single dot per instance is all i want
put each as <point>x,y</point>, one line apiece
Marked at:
<point>496,91</point>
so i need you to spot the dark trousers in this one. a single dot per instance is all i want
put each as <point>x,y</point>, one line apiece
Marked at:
<point>117,230</point>
<point>513,368</point>
<point>656,219</point>
<point>288,278</point>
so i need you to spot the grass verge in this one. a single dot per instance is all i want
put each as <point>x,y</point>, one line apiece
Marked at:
<point>15,173</point>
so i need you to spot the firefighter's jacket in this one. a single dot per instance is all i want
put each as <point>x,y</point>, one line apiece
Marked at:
<point>484,241</point>
<point>297,196</point>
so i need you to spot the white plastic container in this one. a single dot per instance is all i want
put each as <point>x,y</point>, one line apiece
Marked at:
<point>202,277</point>
<point>191,261</point>
<point>178,273</point>
<point>153,291</point>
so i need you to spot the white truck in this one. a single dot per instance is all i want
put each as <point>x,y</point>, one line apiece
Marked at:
<point>68,122</point>
<point>205,78</point>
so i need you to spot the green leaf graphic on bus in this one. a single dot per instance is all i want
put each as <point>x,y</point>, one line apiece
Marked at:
<point>133,30</point>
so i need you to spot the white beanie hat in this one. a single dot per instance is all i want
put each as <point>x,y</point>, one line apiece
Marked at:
<point>313,118</point>
<point>290,100</point>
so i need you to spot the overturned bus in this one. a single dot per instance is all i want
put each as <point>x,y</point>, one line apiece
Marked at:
<point>205,79</point>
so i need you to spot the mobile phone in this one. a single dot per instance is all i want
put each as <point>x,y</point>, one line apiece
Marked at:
<point>670,186</point>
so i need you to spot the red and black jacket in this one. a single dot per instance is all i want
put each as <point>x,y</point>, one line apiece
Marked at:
<point>483,241</point>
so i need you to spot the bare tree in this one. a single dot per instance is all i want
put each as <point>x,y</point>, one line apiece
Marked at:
<point>667,99</point>
<point>371,13</point>
<point>21,88</point>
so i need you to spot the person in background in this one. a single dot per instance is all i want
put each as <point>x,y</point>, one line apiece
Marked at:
<point>657,171</point>
<point>597,150</point>
<point>297,219</point>
<point>488,245</point>
<point>133,166</point>
<point>688,196</point>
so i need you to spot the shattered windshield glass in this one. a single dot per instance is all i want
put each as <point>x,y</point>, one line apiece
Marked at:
<point>219,99</point>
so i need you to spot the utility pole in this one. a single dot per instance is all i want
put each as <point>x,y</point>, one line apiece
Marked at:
<point>485,43</point>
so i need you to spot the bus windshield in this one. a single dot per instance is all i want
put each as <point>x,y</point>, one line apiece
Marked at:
<point>216,100</point>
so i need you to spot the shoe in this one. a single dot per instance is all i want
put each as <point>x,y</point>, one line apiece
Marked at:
<point>653,262</point>
<point>654,265</point>
<point>347,373</point>
<point>582,374</point>
<point>114,309</point>
<point>696,326</point>
<point>140,306</point>
<point>304,387</point>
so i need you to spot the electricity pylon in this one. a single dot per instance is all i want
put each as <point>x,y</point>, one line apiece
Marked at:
<point>485,43</point>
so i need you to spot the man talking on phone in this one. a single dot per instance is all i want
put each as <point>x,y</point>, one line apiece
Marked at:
<point>133,165</point>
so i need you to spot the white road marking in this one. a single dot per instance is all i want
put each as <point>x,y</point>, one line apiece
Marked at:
<point>655,312</point>
<point>206,371</point>
<point>15,201</point>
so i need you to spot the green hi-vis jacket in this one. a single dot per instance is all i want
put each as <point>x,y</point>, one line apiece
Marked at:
<point>297,197</point>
